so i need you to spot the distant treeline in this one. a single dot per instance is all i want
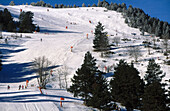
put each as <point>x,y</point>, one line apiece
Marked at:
<point>137,18</point>
<point>43,4</point>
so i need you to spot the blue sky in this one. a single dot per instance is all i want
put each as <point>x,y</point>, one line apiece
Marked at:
<point>155,8</point>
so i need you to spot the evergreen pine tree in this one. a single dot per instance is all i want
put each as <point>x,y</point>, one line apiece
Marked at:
<point>56,6</point>
<point>21,16</point>
<point>153,72</point>
<point>126,20</point>
<point>99,4</point>
<point>6,18</point>
<point>84,78</point>
<point>0,63</point>
<point>26,22</point>
<point>101,42</point>
<point>1,16</point>
<point>33,4</point>
<point>94,5</point>
<point>74,6</point>
<point>83,5</point>
<point>154,98</point>
<point>12,3</point>
<point>100,94</point>
<point>126,86</point>
<point>11,26</point>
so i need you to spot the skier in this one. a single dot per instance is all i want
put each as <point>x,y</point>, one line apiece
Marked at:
<point>22,87</point>
<point>8,87</point>
<point>41,39</point>
<point>87,35</point>
<point>19,87</point>
<point>6,40</point>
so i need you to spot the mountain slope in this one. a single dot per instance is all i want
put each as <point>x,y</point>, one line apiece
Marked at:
<point>55,45</point>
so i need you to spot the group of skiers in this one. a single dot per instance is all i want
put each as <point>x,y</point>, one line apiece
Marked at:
<point>8,87</point>
<point>22,87</point>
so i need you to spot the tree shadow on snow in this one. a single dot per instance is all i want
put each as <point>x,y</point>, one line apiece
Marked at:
<point>36,98</point>
<point>13,92</point>
<point>44,30</point>
<point>9,45</point>
<point>7,51</point>
<point>12,73</point>
<point>16,72</point>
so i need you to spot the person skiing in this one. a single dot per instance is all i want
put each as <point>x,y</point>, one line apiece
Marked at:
<point>22,87</point>
<point>8,87</point>
<point>19,87</point>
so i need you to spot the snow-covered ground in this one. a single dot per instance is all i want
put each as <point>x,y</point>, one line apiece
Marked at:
<point>55,45</point>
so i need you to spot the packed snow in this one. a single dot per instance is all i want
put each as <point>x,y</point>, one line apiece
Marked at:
<point>56,45</point>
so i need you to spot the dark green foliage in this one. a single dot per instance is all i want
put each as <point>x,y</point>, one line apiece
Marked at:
<point>154,98</point>
<point>126,20</point>
<point>21,16</point>
<point>26,22</point>
<point>6,17</point>
<point>89,84</point>
<point>94,5</point>
<point>153,73</point>
<point>1,16</point>
<point>6,21</point>
<point>100,95</point>
<point>103,4</point>
<point>12,3</point>
<point>101,42</point>
<point>33,4</point>
<point>99,4</point>
<point>42,4</point>
<point>84,78</point>
<point>56,6</point>
<point>74,6</point>
<point>48,5</point>
<point>0,63</point>
<point>11,26</point>
<point>68,6</point>
<point>65,6</point>
<point>126,86</point>
<point>62,6</point>
<point>83,5</point>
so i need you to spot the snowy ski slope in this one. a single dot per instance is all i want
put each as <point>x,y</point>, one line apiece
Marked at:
<point>55,45</point>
